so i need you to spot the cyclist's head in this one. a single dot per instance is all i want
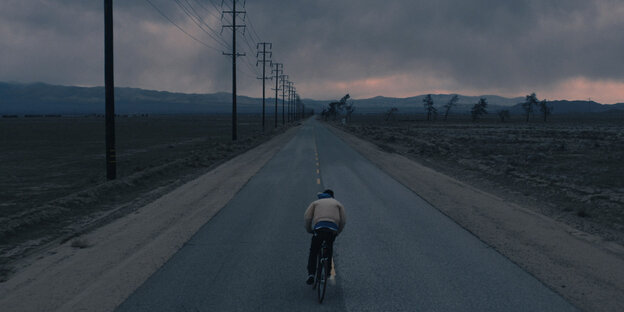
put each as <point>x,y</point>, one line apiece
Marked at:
<point>325,194</point>
<point>329,192</point>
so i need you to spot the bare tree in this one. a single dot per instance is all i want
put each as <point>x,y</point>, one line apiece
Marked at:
<point>479,109</point>
<point>504,115</point>
<point>428,103</point>
<point>336,107</point>
<point>390,113</point>
<point>545,109</point>
<point>530,101</point>
<point>452,102</point>
<point>349,109</point>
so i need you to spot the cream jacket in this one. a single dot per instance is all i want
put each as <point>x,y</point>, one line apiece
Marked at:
<point>325,209</point>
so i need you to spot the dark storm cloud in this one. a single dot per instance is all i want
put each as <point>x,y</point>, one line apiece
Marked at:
<point>62,42</point>
<point>479,43</point>
<point>510,46</point>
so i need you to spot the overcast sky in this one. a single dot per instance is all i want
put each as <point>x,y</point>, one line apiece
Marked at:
<point>560,49</point>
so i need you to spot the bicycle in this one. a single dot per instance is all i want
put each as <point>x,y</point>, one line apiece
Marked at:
<point>323,269</point>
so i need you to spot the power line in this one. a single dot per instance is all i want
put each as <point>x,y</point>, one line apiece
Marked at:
<point>202,20</point>
<point>248,44</point>
<point>247,73</point>
<point>218,8</point>
<point>197,20</point>
<point>248,62</point>
<point>215,15</point>
<point>215,5</point>
<point>180,28</point>
<point>250,37</point>
<point>253,71</point>
<point>251,51</point>
<point>252,28</point>
<point>226,5</point>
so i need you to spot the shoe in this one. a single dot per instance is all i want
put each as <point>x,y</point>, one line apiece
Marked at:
<point>310,279</point>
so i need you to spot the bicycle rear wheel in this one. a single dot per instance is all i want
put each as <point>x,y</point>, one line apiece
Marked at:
<point>317,276</point>
<point>322,286</point>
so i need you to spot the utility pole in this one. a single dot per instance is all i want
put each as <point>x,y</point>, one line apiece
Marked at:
<point>301,111</point>
<point>290,86</point>
<point>288,101</point>
<point>302,105</point>
<point>284,82</point>
<point>277,71</point>
<point>287,89</point>
<point>234,56</point>
<point>264,78</point>
<point>294,103</point>
<point>109,87</point>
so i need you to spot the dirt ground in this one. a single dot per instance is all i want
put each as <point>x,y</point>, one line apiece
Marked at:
<point>569,169</point>
<point>99,269</point>
<point>53,185</point>
<point>585,269</point>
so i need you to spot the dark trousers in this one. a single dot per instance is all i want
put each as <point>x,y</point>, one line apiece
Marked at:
<point>315,246</point>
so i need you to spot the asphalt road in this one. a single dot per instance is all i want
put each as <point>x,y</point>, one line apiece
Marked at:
<point>397,253</point>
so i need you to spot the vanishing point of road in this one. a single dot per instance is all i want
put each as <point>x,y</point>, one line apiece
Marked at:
<point>397,252</point>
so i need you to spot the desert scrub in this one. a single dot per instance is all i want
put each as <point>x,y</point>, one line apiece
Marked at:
<point>553,164</point>
<point>80,243</point>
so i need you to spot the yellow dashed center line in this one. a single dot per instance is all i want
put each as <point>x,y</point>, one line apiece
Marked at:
<point>318,164</point>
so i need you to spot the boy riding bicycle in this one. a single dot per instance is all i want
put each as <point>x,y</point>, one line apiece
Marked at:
<point>325,218</point>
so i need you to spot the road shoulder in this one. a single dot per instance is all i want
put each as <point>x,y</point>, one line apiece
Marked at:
<point>109,263</point>
<point>584,269</point>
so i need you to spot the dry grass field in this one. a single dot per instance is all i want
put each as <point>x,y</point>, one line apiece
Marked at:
<point>54,186</point>
<point>570,168</point>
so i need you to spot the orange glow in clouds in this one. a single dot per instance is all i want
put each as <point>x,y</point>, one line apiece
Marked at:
<point>391,86</point>
<point>401,85</point>
<point>580,88</point>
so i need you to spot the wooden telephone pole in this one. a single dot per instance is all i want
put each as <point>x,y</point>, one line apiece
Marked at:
<point>109,86</point>
<point>264,78</point>
<point>277,72</point>
<point>234,56</point>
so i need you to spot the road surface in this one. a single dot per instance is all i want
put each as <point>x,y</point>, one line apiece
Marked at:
<point>397,252</point>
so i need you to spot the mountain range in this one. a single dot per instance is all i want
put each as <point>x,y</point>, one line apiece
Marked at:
<point>41,98</point>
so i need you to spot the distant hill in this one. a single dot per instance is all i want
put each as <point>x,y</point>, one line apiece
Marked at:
<point>41,98</point>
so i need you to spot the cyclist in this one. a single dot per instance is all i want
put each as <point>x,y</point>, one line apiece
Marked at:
<point>325,218</point>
